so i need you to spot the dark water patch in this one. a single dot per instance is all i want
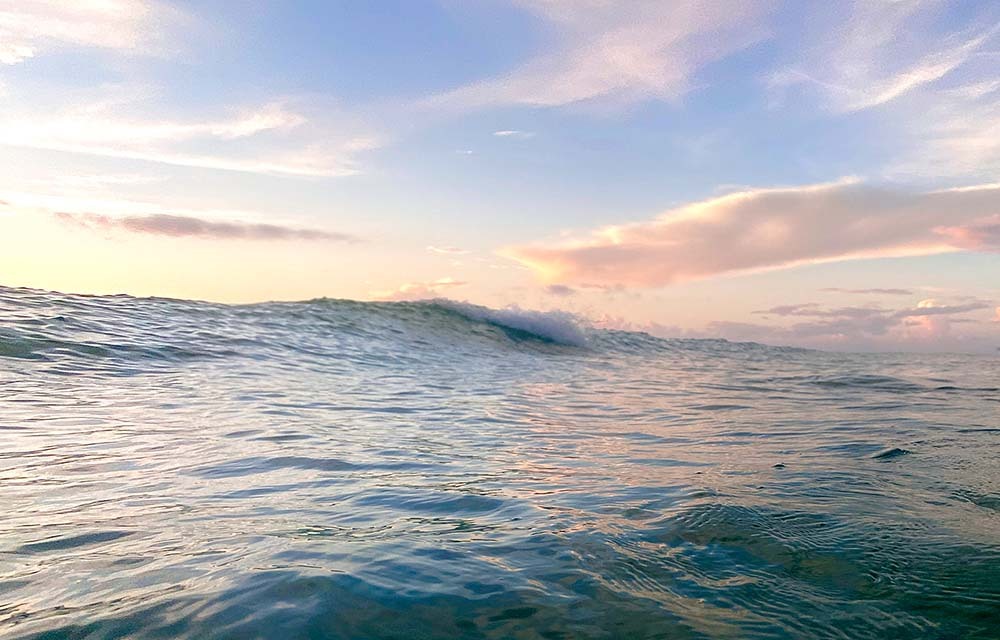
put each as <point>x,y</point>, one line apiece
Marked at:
<point>430,502</point>
<point>668,462</point>
<point>891,454</point>
<point>258,465</point>
<point>252,466</point>
<point>865,381</point>
<point>71,542</point>
<point>989,502</point>
<point>285,437</point>
<point>718,407</point>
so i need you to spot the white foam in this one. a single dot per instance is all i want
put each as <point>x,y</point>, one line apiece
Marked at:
<point>560,327</point>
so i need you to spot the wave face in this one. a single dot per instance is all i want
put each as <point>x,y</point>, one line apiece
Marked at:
<point>339,469</point>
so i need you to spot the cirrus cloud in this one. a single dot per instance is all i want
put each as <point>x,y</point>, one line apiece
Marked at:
<point>619,51</point>
<point>763,229</point>
<point>270,139</point>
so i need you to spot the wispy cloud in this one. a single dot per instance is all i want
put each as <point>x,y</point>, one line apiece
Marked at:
<point>513,133</point>
<point>29,28</point>
<point>619,51</point>
<point>189,227</point>
<point>953,133</point>
<point>884,292</point>
<point>447,250</point>
<point>932,77</point>
<point>124,121</point>
<point>419,290</point>
<point>881,52</point>
<point>768,229</point>
<point>272,138</point>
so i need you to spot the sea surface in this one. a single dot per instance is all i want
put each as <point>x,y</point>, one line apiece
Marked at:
<point>338,469</point>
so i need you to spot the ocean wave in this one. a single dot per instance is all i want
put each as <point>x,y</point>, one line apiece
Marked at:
<point>57,326</point>
<point>334,468</point>
<point>558,327</point>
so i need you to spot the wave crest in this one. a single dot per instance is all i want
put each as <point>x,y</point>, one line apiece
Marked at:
<point>559,327</point>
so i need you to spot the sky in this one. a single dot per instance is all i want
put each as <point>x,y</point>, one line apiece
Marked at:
<point>819,174</point>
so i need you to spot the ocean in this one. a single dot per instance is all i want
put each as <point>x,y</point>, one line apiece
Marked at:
<point>360,470</point>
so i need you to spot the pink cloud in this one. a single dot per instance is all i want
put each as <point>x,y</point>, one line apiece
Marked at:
<point>769,229</point>
<point>982,236</point>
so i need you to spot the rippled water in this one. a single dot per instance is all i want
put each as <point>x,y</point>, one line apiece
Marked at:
<point>334,469</point>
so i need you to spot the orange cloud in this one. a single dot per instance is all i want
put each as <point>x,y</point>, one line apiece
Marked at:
<point>419,290</point>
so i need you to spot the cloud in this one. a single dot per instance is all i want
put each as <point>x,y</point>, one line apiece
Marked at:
<point>125,121</point>
<point>984,236</point>
<point>270,139</point>
<point>560,290</point>
<point>451,251</point>
<point>190,227</point>
<point>931,75</point>
<point>619,51</point>
<point>884,292</point>
<point>927,326</point>
<point>419,290</point>
<point>29,28</point>
<point>768,229</point>
<point>929,307</point>
<point>881,52</point>
<point>953,133</point>
<point>512,133</point>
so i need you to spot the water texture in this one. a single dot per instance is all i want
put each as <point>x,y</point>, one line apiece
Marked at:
<point>337,469</point>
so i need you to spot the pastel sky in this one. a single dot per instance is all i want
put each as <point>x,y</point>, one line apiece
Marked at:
<point>821,174</point>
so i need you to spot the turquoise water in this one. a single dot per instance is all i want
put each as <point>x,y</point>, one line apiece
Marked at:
<point>335,469</point>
